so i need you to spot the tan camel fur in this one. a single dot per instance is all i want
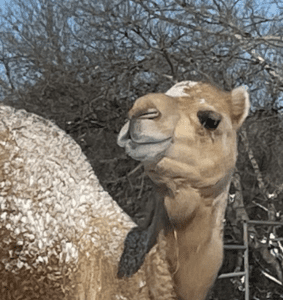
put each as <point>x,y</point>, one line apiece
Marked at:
<point>62,236</point>
<point>186,140</point>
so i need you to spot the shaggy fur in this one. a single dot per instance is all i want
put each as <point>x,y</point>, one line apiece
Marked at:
<point>141,239</point>
<point>61,234</point>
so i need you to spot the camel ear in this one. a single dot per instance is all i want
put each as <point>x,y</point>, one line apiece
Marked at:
<point>240,106</point>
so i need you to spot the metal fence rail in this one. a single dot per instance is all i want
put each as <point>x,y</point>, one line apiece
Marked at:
<point>245,247</point>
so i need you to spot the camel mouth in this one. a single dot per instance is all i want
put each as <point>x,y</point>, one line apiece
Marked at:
<point>151,151</point>
<point>127,134</point>
<point>151,143</point>
<point>143,147</point>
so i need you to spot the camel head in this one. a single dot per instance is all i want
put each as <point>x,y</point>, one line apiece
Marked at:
<point>187,134</point>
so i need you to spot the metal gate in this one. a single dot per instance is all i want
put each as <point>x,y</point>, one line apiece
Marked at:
<point>245,247</point>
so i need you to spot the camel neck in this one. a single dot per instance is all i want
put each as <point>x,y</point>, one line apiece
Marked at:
<point>188,204</point>
<point>200,231</point>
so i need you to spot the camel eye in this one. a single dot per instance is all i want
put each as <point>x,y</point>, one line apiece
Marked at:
<point>209,119</point>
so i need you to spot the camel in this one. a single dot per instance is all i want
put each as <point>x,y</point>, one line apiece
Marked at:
<point>187,142</point>
<point>63,235</point>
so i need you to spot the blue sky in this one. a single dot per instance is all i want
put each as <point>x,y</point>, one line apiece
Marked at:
<point>2,3</point>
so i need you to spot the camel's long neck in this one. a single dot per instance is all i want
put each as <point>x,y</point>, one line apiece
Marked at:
<point>189,205</point>
<point>195,246</point>
<point>194,217</point>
